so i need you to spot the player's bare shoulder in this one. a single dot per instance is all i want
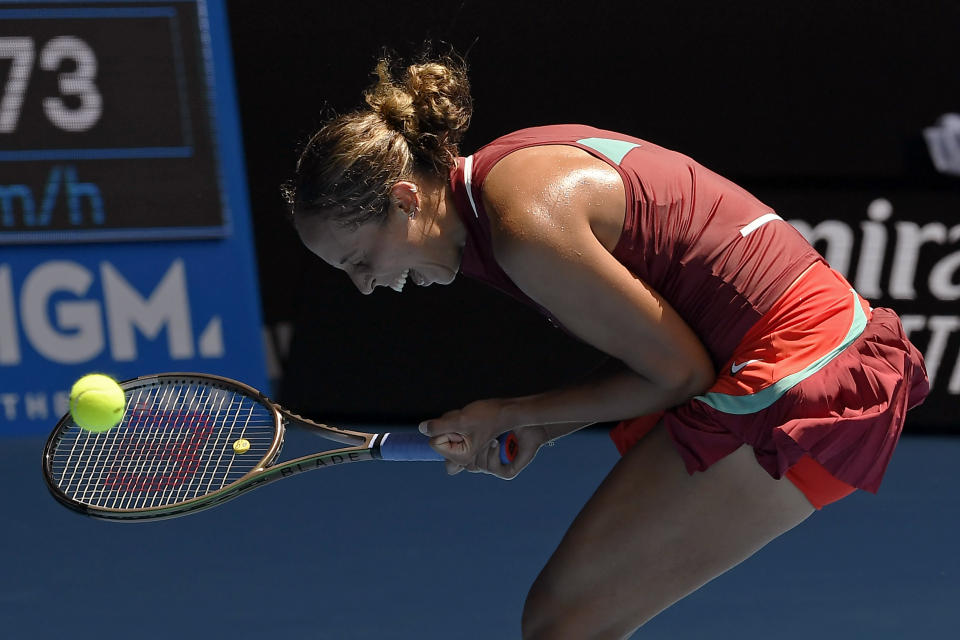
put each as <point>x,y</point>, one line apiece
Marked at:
<point>554,189</point>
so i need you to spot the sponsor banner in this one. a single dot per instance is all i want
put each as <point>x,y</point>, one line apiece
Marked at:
<point>133,307</point>
<point>900,248</point>
<point>124,311</point>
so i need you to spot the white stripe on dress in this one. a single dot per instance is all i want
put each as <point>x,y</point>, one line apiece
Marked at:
<point>468,181</point>
<point>759,222</point>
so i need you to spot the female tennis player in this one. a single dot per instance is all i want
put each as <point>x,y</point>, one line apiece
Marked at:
<point>751,383</point>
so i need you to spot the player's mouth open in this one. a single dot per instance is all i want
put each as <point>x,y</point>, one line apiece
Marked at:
<point>401,280</point>
<point>418,279</point>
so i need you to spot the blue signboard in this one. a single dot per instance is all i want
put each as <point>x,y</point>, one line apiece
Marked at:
<point>125,240</point>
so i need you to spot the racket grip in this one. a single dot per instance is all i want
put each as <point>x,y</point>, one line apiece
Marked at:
<point>412,447</point>
<point>407,447</point>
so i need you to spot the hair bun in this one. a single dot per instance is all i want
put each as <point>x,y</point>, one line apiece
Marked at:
<point>394,105</point>
<point>346,170</point>
<point>431,108</point>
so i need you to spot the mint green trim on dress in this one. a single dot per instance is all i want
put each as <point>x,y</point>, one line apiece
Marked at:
<point>613,149</point>
<point>743,405</point>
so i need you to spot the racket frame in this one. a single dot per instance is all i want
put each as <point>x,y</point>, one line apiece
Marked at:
<point>365,446</point>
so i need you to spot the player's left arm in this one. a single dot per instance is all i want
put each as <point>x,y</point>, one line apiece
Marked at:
<point>548,248</point>
<point>564,268</point>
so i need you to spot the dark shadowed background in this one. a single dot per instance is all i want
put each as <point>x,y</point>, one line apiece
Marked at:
<point>817,107</point>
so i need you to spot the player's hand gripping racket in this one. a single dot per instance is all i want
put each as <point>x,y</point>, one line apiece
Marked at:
<point>191,441</point>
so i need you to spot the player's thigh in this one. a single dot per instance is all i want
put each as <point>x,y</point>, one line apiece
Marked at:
<point>651,534</point>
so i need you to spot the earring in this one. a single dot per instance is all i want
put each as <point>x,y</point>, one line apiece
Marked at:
<point>413,212</point>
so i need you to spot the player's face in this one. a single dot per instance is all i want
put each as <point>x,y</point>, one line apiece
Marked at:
<point>387,254</point>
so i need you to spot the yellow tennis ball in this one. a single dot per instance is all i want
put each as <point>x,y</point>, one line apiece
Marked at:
<point>96,402</point>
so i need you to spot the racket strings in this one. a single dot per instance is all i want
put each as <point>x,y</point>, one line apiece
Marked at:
<point>175,443</point>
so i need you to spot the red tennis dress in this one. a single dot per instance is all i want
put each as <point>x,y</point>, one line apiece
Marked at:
<point>808,373</point>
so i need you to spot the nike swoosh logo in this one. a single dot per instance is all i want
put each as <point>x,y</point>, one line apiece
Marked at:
<point>736,368</point>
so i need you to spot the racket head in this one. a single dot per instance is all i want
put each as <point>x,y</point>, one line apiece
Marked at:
<point>172,453</point>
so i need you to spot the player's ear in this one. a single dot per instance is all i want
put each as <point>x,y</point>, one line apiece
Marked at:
<point>405,198</point>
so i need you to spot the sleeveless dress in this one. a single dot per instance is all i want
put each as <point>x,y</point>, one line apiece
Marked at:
<point>805,367</point>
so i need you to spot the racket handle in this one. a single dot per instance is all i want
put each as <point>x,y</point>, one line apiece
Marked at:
<point>407,447</point>
<point>411,447</point>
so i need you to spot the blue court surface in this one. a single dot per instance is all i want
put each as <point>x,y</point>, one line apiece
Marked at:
<point>389,550</point>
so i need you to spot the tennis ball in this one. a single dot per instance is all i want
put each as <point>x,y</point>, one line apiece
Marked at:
<point>96,402</point>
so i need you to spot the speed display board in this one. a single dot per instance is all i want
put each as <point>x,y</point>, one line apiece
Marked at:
<point>126,244</point>
<point>106,123</point>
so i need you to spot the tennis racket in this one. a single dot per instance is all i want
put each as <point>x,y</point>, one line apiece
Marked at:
<point>190,441</point>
